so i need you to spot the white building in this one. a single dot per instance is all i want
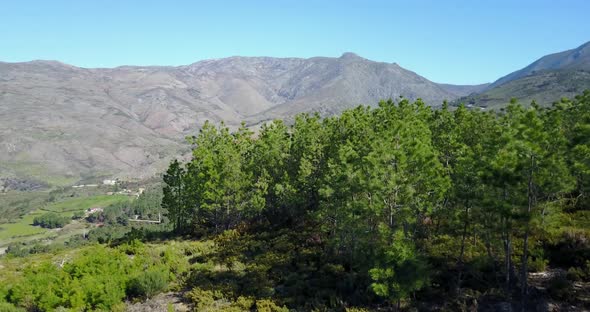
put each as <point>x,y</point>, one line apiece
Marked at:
<point>109,182</point>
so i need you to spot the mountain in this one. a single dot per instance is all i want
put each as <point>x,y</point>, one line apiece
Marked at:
<point>543,87</point>
<point>546,80</point>
<point>464,90</point>
<point>574,59</point>
<point>60,123</point>
<point>330,85</point>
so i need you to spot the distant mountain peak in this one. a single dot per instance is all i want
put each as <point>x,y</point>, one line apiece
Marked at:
<point>583,49</point>
<point>351,56</point>
<point>45,63</point>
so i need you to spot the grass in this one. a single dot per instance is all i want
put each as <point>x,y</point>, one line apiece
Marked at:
<point>22,167</point>
<point>14,204</point>
<point>23,229</point>
<point>69,206</point>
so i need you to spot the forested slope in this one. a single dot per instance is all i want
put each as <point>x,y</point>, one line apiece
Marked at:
<point>395,207</point>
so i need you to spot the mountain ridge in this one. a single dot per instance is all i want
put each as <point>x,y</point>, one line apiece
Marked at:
<point>129,121</point>
<point>577,58</point>
<point>546,80</point>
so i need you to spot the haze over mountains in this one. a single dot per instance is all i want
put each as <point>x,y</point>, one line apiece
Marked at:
<point>58,120</point>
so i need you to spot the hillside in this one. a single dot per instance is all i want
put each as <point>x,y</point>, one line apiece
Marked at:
<point>543,87</point>
<point>464,90</point>
<point>574,59</point>
<point>393,208</point>
<point>60,123</point>
<point>546,80</point>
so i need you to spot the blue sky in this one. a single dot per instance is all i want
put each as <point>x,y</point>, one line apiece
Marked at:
<point>464,42</point>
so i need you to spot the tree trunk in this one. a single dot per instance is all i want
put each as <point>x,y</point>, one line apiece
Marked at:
<point>524,275</point>
<point>463,239</point>
<point>507,258</point>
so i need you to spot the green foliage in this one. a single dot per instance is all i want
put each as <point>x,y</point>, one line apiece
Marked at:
<point>561,288</point>
<point>78,215</point>
<point>107,234</point>
<point>269,306</point>
<point>207,300</point>
<point>34,247</point>
<point>95,278</point>
<point>203,299</point>
<point>51,220</point>
<point>148,283</point>
<point>394,193</point>
<point>374,208</point>
<point>15,204</point>
<point>401,272</point>
<point>7,307</point>
<point>537,265</point>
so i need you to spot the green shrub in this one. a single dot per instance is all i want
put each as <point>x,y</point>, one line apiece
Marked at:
<point>147,284</point>
<point>537,265</point>
<point>266,305</point>
<point>202,299</point>
<point>50,220</point>
<point>356,310</point>
<point>8,307</point>
<point>244,303</point>
<point>134,247</point>
<point>78,215</point>
<point>575,274</point>
<point>560,288</point>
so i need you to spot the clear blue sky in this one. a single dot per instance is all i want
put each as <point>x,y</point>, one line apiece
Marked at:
<point>464,42</point>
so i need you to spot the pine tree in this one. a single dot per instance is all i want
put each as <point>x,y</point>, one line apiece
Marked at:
<point>174,196</point>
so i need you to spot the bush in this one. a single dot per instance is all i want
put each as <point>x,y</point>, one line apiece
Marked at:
<point>33,247</point>
<point>575,274</point>
<point>537,265</point>
<point>266,305</point>
<point>560,288</point>
<point>78,215</point>
<point>148,284</point>
<point>203,299</point>
<point>107,234</point>
<point>208,300</point>
<point>50,220</point>
<point>8,307</point>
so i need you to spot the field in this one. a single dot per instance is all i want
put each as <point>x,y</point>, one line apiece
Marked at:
<point>69,206</point>
<point>14,204</point>
<point>22,229</point>
<point>24,167</point>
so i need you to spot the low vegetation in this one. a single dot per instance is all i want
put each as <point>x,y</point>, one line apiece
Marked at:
<point>50,220</point>
<point>401,197</point>
<point>15,204</point>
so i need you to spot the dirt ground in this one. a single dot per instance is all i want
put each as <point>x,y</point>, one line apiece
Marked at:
<point>163,302</point>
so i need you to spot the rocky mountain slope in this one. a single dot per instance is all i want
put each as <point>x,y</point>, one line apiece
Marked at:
<point>465,90</point>
<point>61,123</point>
<point>574,59</point>
<point>543,87</point>
<point>546,80</point>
